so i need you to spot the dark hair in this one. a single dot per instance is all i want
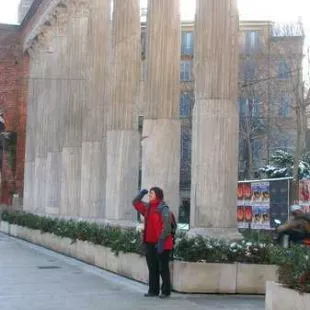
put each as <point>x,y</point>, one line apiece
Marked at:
<point>158,192</point>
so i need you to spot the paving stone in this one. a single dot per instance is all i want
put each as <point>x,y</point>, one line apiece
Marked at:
<point>34,278</point>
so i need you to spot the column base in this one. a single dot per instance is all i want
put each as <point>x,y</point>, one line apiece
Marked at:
<point>51,211</point>
<point>161,158</point>
<point>122,174</point>
<point>53,189</point>
<point>70,181</point>
<point>217,233</point>
<point>122,224</point>
<point>28,186</point>
<point>39,185</point>
<point>93,180</point>
<point>214,164</point>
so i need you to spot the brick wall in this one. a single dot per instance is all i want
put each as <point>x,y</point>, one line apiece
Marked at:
<point>14,73</point>
<point>13,95</point>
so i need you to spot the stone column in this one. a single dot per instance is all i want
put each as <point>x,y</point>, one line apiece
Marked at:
<point>30,132</point>
<point>94,144</point>
<point>76,87</point>
<point>57,102</point>
<point>215,119</point>
<point>161,126</point>
<point>43,83</point>
<point>123,138</point>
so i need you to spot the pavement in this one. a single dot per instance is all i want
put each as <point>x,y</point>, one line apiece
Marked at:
<point>35,278</point>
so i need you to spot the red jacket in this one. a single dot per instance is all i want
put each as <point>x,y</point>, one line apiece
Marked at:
<point>153,223</point>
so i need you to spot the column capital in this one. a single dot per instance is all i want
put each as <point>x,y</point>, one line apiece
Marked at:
<point>79,8</point>
<point>44,38</point>
<point>32,52</point>
<point>45,23</point>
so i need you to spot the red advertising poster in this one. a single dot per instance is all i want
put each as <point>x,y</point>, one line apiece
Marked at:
<point>244,191</point>
<point>304,191</point>
<point>248,214</point>
<point>241,217</point>
<point>240,191</point>
<point>244,216</point>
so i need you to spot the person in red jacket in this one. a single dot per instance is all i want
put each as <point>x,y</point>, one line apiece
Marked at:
<point>157,239</point>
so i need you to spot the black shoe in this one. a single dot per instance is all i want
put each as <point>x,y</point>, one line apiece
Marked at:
<point>150,295</point>
<point>162,296</point>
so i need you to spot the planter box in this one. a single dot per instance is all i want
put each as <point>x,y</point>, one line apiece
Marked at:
<point>5,227</point>
<point>13,230</point>
<point>251,279</point>
<point>186,277</point>
<point>204,278</point>
<point>133,266</point>
<point>281,298</point>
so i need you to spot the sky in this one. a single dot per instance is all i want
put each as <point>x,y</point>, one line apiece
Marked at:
<point>276,10</point>
<point>279,10</point>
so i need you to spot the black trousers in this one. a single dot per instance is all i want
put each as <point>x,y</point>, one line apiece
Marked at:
<point>158,265</point>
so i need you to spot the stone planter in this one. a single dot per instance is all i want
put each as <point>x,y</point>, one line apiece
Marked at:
<point>251,279</point>
<point>186,277</point>
<point>14,230</point>
<point>133,266</point>
<point>204,278</point>
<point>281,298</point>
<point>5,227</point>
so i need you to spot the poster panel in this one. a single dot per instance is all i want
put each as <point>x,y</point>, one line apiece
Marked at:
<point>261,217</point>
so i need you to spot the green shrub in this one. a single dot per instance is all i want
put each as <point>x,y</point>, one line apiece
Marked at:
<point>257,248</point>
<point>118,240</point>
<point>294,267</point>
<point>202,249</point>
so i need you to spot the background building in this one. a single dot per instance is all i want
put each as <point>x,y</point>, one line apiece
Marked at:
<point>270,79</point>
<point>271,83</point>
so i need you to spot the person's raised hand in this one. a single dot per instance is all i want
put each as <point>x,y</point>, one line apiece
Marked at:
<point>144,192</point>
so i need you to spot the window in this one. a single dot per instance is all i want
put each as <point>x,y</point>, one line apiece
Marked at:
<point>186,71</point>
<point>140,123</point>
<point>187,43</point>
<point>242,149</point>
<point>185,145</point>
<point>283,70</point>
<point>186,104</point>
<point>283,143</point>
<point>243,107</point>
<point>252,41</point>
<point>249,70</point>
<point>256,149</point>
<point>285,103</point>
<point>143,43</point>
<point>249,107</point>
<point>254,106</point>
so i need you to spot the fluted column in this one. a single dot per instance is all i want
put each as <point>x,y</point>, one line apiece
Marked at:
<point>76,88</point>
<point>43,83</point>
<point>161,126</point>
<point>30,132</point>
<point>215,119</point>
<point>57,102</point>
<point>94,140</point>
<point>123,139</point>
